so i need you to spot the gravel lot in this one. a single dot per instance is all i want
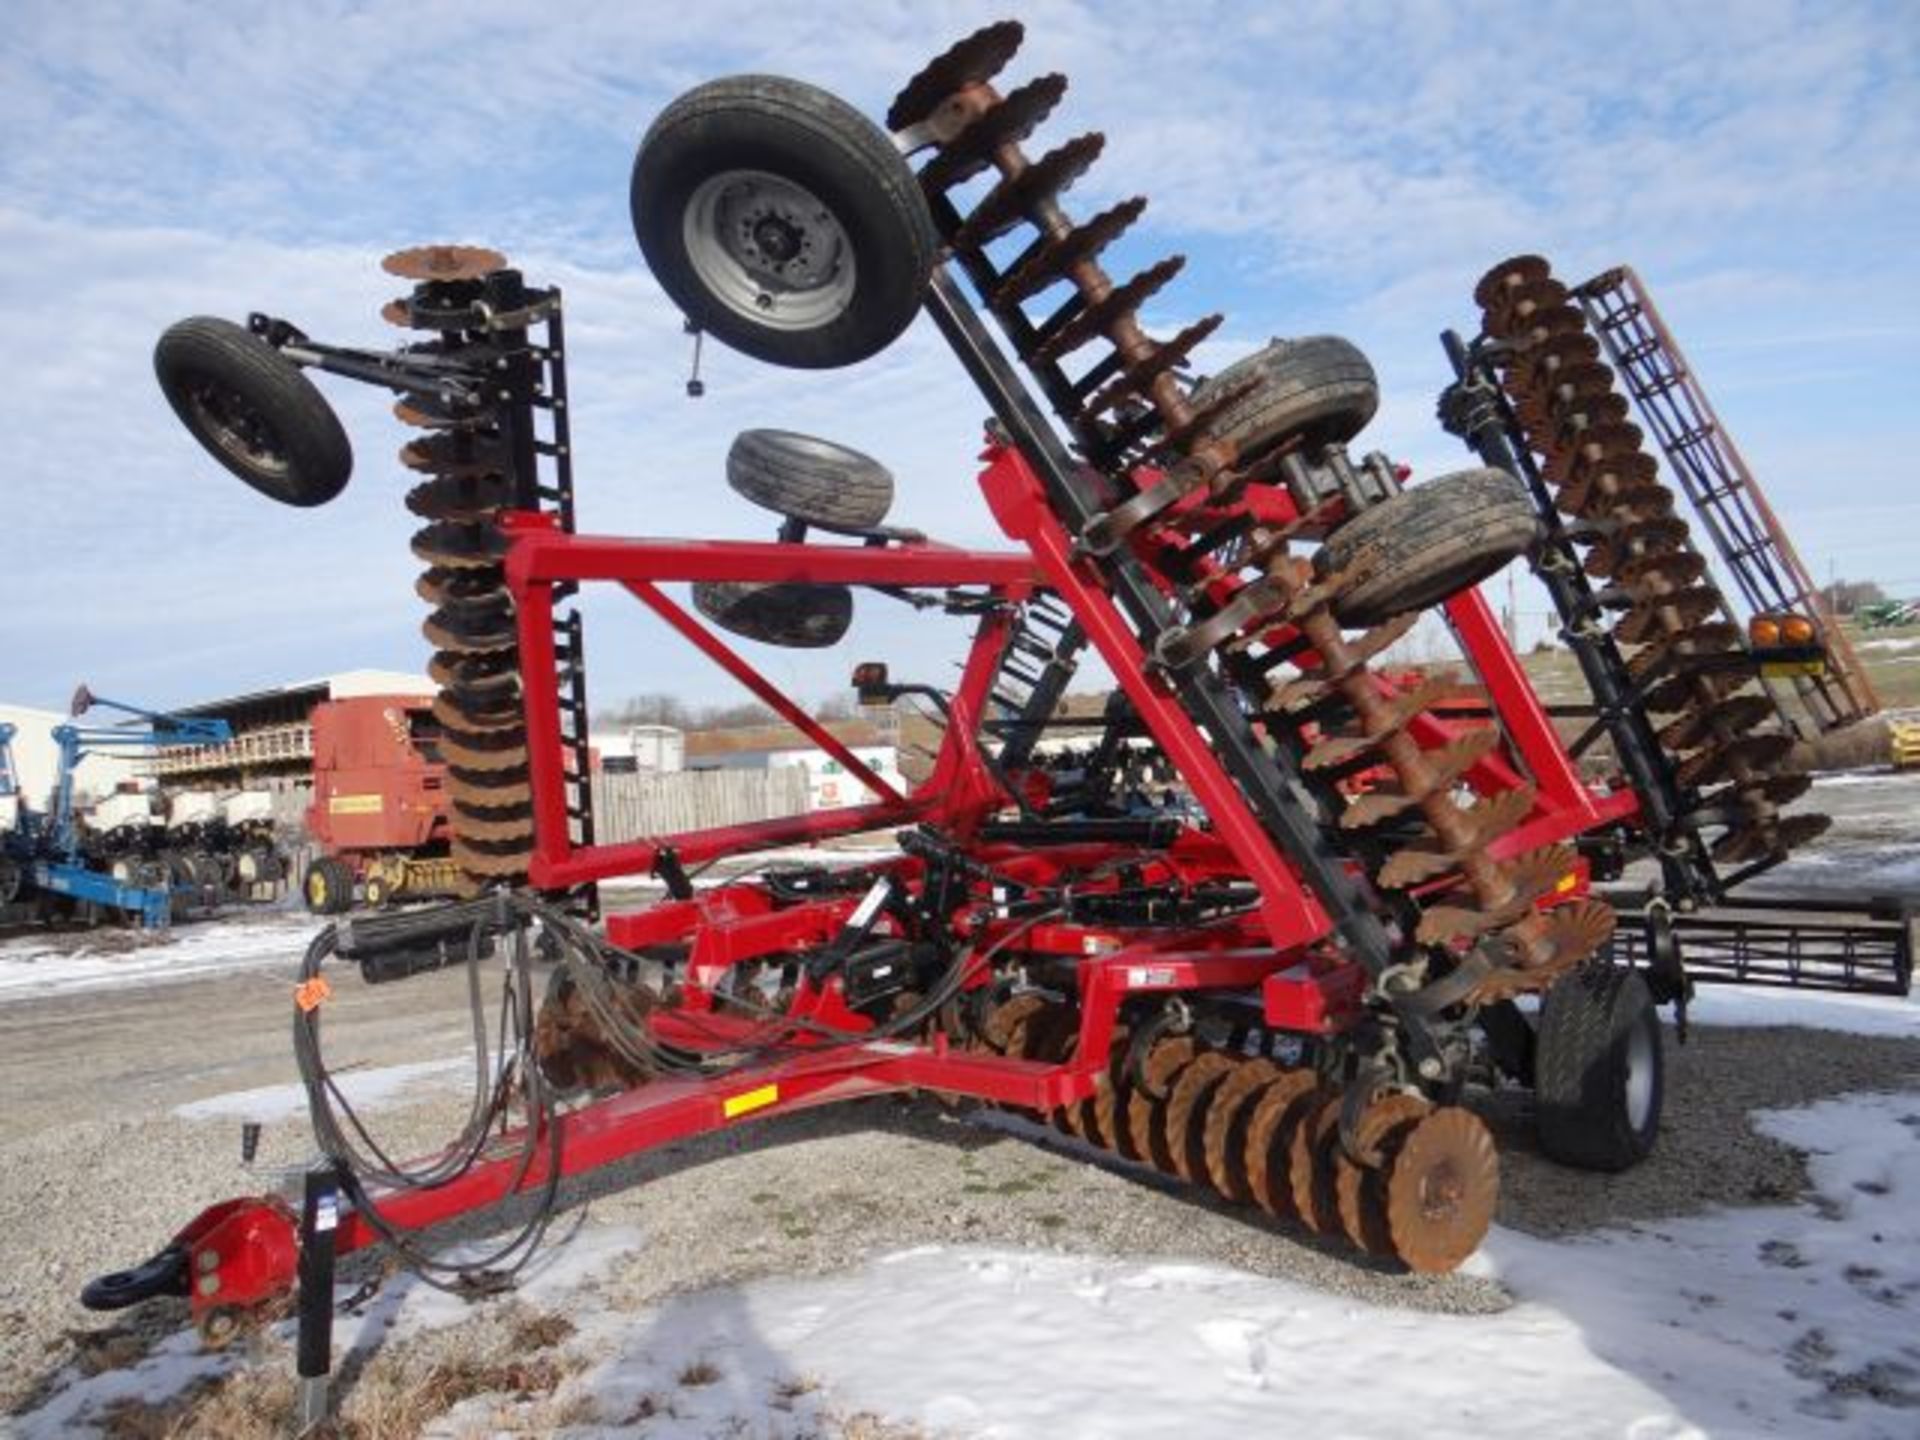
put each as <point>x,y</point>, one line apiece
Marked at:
<point>96,1169</point>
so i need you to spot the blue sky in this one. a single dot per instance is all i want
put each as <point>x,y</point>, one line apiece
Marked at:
<point>1345,167</point>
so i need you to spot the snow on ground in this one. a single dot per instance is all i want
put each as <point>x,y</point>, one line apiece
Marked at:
<point>1791,1321</point>
<point>59,962</point>
<point>1861,1014</point>
<point>384,1088</point>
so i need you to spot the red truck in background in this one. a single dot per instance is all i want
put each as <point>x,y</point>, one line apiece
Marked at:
<point>379,808</point>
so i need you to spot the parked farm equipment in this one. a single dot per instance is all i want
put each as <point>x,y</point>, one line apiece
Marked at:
<point>380,809</point>
<point>1287,995</point>
<point>124,858</point>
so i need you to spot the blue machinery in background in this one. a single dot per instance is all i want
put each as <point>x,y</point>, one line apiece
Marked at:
<point>42,852</point>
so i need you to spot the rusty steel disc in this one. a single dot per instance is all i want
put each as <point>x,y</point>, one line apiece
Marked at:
<point>470,632</point>
<point>1009,202</point>
<point>478,679</point>
<point>1310,1166</point>
<point>1090,1120</point>
<point>503,860</point>
<point>1441,1187</point>
<point>467,498</point>
<point>486,759</point>
<point>1513,313</point>
<point>454,452</point>
<point>1664,614</point>
<point>972,61</point>
<point>1510,274</point>
<point>425,412</point>
<point>1726,718</point>
<point>997,1027</point>
<point>1727,760</point>
<point>459,546</point>
<point>1146,1103</point>
<point>1648,577</point>
<point>1547,944</point>
<point>1550,353</point>
<point>1008,121</point>
<point>1224,1143</point>
<point>444,262</point>
<point>489,793</point>
<point>516,826</point>
<point>1778,789</point>
<point>1279,1107</point>
<point>1760,841</point>
<point>460,720</point>
<point>1186,1115</point>
<point>1054,257</point>
<point>1359,1190</point>
<point>1696,686</point>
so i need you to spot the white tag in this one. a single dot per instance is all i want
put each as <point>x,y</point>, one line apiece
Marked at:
<point>870,904</point>
<point>1147,977</point>
<point>326,1214</point>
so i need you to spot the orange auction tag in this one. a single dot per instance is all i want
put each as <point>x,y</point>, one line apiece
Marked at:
<point>309,994</point>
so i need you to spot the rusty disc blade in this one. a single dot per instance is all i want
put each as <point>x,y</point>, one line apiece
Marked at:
<point>1091,320</point>
<point>1733,760</point>
<point>1146,1107</point>
<point>1006,205</point>
<point>1514,273</point>
<point>468,498</point>
<point>505,860</point>
<point>478,678</point>
<point>430,412</point>
<point>1546,945</point>
<point>462,721</point>
<point>1657,614</point>
<point>1278,1108</point>
<point>1224,1141</point>
<point>1514,306</point>
<point>1186,1116</point>
<point>1359,1190</point>
<point>1648,577</point>
<point>1721,720</point>
<point>470,633</point>
<point>459,546</point>
<point>1310,1167</point>
<point>1695,686</point>
<point>1781,788</point>
<point>972,61</point>
<point>1441,1187</point>
<point>1780,837</point>
<point>444,262</point>
<point>1053,258</point>
<point>488,790</point>
<point>511,755</point>
<point>1136,378</point>
<point>998,1026</point>
<point>518,825</point>
<point>1093,1124</point>
<point>1010,120</point>
<point>454,452</point>
<point>1541,359</point>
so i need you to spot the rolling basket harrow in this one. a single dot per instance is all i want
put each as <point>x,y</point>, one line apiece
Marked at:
<point>1288,995</point>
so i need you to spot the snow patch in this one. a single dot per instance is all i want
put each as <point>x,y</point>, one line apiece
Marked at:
<point>51,963</point>
<point>366,1090</point>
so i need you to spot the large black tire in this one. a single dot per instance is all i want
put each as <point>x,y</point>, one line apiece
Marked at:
<point>328,886</point>
<point>1599,1069</point>
<point>253,411</point>
<point>782,221</point>
<point>1417,548</point>
<point>808,479</point>
<point>793,614</point>
<point>1319,387</point>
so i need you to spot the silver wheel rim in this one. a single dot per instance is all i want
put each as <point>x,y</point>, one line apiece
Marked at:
<point>769,250</point>
<point>1639,1077</point>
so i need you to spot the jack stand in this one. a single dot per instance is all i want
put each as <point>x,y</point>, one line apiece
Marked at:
<point>319,1215</point>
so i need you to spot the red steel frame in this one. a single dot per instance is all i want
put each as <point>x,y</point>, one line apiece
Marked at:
<point>244,1252</point>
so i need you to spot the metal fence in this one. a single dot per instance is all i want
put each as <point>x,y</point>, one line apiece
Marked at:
<point>637,807</point>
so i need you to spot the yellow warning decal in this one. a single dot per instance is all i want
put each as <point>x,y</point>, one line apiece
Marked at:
<point>355,805</point>
<point>747,1101</point>
<point>1567,883</point>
